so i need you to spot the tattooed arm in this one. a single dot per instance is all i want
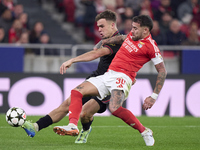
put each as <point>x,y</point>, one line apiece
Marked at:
<point>114,40</point>
<point>162,73</point>
<point>98,45</point>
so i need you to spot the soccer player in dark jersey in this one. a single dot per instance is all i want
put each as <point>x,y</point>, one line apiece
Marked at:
<point>137,49</point>
<point>106,21</point>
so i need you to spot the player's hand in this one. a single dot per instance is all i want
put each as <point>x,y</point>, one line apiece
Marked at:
<point>65,66</point>
<point>148,103</point>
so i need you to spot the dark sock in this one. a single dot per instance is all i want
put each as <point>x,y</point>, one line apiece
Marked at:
<point>44,122</point>
<point>86,126</point>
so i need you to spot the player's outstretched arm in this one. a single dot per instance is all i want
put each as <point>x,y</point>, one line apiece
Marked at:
<point>89,56</point>
<point>114,40</point>
<point>162,73</point>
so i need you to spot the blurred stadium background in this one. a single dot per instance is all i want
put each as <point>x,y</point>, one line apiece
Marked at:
<point>37,36</point>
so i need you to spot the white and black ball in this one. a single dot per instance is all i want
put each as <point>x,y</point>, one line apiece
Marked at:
<point>16,116</point>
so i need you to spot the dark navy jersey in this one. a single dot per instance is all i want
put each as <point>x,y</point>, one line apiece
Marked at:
<point>106,60</point>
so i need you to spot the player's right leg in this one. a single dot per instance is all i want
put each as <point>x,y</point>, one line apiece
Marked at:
<point>88,110</point>
<point>75,108</point>
<point>53,117</point>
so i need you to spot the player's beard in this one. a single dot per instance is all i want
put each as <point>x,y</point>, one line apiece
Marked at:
<point>136,38</point>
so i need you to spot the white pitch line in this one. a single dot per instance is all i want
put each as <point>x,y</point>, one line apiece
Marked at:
<point>4,127</point>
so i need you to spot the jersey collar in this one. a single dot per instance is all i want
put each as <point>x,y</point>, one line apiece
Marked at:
<point>149,36</point>
<point>115,33</point>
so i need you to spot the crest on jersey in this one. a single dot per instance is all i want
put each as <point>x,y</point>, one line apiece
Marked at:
<point>140,44</point>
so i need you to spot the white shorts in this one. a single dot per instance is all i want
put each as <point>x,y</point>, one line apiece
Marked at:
<point>111,80</point>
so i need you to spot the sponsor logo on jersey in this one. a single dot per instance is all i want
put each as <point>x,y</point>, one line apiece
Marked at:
<point>129,45</point>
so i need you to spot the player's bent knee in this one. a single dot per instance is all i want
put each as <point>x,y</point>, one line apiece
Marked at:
<point>85,116</point>
<point>113,108</point>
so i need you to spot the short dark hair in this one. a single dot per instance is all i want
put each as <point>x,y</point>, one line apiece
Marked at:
<point>108,15</point>
<point>144,20</point>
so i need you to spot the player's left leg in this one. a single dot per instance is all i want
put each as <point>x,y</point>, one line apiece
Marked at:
<point>88,110</point>
<point>115,106</point>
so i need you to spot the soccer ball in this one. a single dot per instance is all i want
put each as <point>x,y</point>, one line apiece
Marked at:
<point>15,116</point>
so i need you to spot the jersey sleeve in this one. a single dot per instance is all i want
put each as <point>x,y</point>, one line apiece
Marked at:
<point>157,59</point>
<point>108,46</point>
<point>154,54</point>
<point>113,47</point>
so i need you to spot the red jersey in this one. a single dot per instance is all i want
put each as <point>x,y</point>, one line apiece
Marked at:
<point>132,55</point>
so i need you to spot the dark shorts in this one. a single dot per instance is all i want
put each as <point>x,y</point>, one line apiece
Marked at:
<point>103,103</point>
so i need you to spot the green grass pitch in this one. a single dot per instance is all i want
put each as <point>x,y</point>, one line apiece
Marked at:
<point>108,133</point>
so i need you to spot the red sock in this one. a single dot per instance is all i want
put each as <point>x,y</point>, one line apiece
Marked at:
<point>129,118</point>
<point>75,106</point>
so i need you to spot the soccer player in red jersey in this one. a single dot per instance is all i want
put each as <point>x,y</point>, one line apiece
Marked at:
<point>137,49</point>
<point>107,24</point>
